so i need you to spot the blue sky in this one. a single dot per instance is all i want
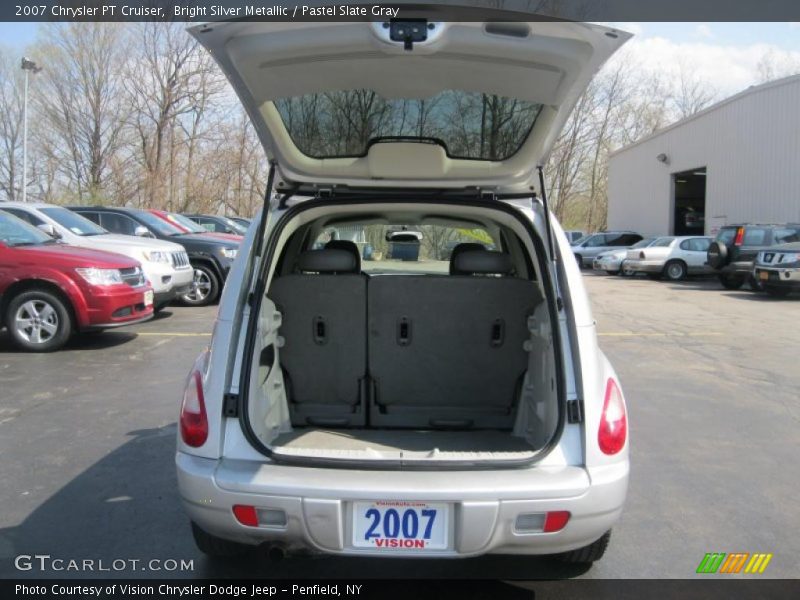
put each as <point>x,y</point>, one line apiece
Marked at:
<point>726,55</point>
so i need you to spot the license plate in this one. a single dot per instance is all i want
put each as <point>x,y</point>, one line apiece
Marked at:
<point>763,275</point>
<point>148,298</point>
<point>401,526</point>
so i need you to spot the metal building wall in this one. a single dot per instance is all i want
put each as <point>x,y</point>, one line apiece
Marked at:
<point>750,145</point>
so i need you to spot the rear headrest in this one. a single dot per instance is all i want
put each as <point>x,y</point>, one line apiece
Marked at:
<point>465,247</point>
<point>481,262</point>
<point>328,260</point>
<point>347,245</point>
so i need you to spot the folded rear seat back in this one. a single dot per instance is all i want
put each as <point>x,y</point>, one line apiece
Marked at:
<point>447,351</point>
<point>324,328</point>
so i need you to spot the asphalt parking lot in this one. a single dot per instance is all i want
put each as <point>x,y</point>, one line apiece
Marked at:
<point>711,379</point>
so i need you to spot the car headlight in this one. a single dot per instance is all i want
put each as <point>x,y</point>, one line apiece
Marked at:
<point>790,258</point>
<point>96,276</point>
<point>156,256</point>
<point>230,253</point>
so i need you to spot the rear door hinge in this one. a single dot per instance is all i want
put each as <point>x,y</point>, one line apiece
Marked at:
<point>574,411</point>
<point>230,405</point>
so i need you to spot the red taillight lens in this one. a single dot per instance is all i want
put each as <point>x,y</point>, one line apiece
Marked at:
<point>613,421</point>
<point>555,520</point>
<point>246,515</point>
<point>194,421</point>
<point>739,237</point>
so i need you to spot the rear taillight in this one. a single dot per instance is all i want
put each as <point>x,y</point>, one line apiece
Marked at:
<point>246,515</point>
<point>739,237</point>
<point>613,421</point>
<point>555,520</point>
<point>193,420</point>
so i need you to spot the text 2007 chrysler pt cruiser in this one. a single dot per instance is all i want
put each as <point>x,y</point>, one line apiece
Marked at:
<point>419,407</point>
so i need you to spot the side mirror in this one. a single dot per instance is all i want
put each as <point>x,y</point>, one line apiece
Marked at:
<point>49,230</point>
<point>142,231</point>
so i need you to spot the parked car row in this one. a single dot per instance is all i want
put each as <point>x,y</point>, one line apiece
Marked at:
<point>767,257</point>
<point>66,270</point>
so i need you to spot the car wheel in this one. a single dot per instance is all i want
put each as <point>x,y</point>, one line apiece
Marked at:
<point>675,270</point>
<point>731,282</point>
<point>579,258</point>
<point>214,546</point>
<point>776,291</point>
<point>624,271</point>
<point>205,287</point>
<point>587,554</point>
<point>38,321</point>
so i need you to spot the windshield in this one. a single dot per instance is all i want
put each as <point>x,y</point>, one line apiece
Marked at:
<point>237,227</point>
<point>186,223</point>
<point>469,125</point>
<point>156,224</point>
<point>16,232</point>
<point>74,222</point>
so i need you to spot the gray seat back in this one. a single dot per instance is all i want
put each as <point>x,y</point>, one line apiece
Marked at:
<point>324,327</point>
<point>447,351</point>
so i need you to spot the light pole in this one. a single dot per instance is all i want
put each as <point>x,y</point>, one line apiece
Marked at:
<point>27,66</point>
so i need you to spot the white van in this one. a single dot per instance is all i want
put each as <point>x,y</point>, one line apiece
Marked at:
<point>434,408</point>
<point>165,264</point>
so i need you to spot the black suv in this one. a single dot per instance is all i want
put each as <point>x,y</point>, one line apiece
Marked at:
<point>211,257</point>
<point>733,253</point>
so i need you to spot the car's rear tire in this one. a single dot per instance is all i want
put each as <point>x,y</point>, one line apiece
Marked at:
<point>211,545</point>
<point>731,282</point>
<point>205,287</point>
<point>38,321</point>
<point>675,270</point>
<point>579,258</point>
<point>777,291</point>
<point>623,272</point>
<point>587,554</point>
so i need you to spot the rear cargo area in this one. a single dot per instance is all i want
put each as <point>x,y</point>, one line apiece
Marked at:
<point>450,365</point>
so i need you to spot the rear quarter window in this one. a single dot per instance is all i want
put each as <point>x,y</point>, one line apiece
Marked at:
<point>754,236</point>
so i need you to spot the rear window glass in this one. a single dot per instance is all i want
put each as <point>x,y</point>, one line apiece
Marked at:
<point>405,249</point>
<point>663,242</point>
<point>469,125</point>
<point>726,236</point>
<point>754,236</point>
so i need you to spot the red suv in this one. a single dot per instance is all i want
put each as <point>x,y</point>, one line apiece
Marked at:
<point>48,290</point>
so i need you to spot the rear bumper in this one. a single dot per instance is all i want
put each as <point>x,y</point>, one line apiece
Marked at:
<point>116,306</point>
<point>645,266</point>
<point>317,503</point>
<point>743,268</point>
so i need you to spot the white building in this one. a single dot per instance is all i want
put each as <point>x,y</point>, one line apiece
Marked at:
<point>736,161</point>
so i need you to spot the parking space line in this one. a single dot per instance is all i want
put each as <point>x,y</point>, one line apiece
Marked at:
<point>646,334</point>
<point>173,334</point>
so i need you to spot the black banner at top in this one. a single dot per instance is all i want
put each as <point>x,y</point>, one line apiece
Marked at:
<point>444,10</point>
